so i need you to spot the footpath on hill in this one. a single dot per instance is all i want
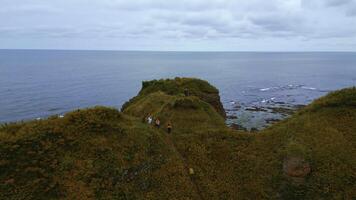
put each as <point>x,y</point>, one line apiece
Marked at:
<point>168,140</point>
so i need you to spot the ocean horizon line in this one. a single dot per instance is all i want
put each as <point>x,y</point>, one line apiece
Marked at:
<point>174,51</point>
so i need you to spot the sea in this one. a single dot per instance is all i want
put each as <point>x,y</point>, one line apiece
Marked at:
<point>35,84</point>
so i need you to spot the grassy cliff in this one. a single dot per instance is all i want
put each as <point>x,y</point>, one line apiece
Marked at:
<point>101,153</point>
<point>176,87</point>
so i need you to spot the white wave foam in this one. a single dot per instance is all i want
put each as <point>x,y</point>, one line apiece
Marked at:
<point>271,88</point>
<point>265,89</point>
<point>308,88</point>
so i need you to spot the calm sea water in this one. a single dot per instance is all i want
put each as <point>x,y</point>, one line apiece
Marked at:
<point>39,83</point>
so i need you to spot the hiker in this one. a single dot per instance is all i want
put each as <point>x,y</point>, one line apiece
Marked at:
<point>149,119</point>
<point>169,127</point>
<point>158,123</point>
<point>186,92</point>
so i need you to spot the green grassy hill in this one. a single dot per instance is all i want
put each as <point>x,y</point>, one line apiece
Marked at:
<point>101,153</point>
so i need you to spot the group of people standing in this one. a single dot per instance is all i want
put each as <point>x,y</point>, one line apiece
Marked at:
<point>157,123</point>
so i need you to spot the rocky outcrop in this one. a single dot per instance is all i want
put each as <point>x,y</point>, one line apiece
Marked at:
<point>180,87</point>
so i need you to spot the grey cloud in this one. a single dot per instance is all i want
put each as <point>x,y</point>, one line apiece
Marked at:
<point>351,10</point>
<point>142,21</point>
<point>226,24</point>
<point>277,23</point>
<point>183,5</point>
<point>337,2</point>
<point>325,3</point>
<point>49,32</point>
<point>28,9</point>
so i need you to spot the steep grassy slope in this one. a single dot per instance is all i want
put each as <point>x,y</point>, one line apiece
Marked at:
<point>101,153</point>
<point>89,154</point>
<point>322,136</point>
<point>201,137</point>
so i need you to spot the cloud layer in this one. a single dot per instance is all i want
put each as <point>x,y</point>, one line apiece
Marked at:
<point>179,25</point>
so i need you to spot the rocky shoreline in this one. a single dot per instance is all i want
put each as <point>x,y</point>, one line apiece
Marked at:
<point>257,117</point>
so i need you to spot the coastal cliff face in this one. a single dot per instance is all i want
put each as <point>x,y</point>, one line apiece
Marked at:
<point>101,153</point>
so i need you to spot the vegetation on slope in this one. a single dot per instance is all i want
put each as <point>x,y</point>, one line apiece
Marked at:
<point>101,153</point>
<point>176,87</point>
<point>89,154</point>
<point>322,138</point>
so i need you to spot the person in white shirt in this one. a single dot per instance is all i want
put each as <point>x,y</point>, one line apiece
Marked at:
<point>149,119</point>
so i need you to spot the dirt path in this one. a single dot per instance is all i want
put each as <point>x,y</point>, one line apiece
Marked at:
<point>169,141</point>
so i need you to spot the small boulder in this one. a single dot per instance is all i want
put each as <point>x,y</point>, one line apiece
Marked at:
<point>237,127</point>
<point>296,168</point>
<point>191,171</point>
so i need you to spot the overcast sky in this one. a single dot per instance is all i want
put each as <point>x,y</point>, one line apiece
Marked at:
<point>184,25</point>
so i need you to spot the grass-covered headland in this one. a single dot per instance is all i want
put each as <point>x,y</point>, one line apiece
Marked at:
<point>103,153</point>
